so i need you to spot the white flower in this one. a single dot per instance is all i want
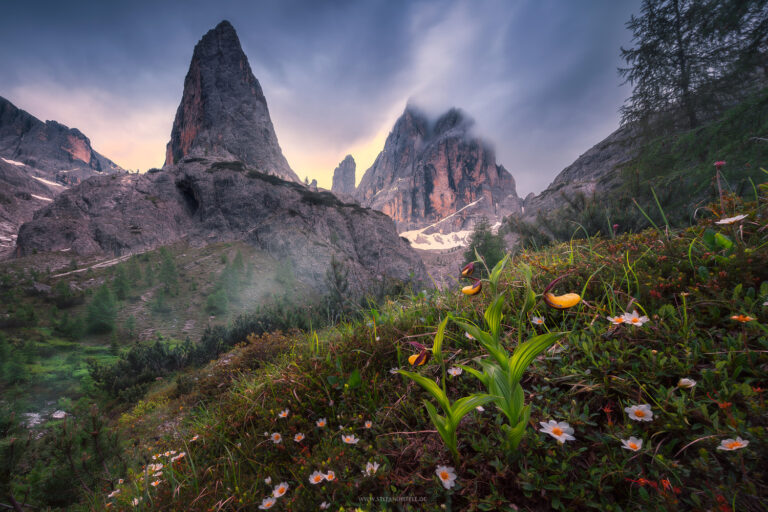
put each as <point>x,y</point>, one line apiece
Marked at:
<point>330,476</point>
<point>537,320</point>
<point>686,383</point>
<point>267,503</point>
<point>325,505</point>
<point>640,412</point>
<point>368,424</point>
<point>455,371</point>
<point>283,413</point>
<point>634,318</point>
<point>120,482</point>
<point>632,443</point>
<point>447,476</point>
<point>322,422</point>
<point>268,480</point>
<point>194,438</point>
<point>480,408</point>
<point>371,468</point>
<point>350,439</point>
<point>113,494</point>
<point>469,336</point>
<point>156,483</point>
<point>561,431</point>
<point>393,371</point>
<point>616,320</point>
<point>732,444</point>
<point>136,502</point>
<point>276,438</point>
<point>280,489</point>
<point>731,220</point>
<point>765,303</point>
<point>316,477</point>
<point>179,456</point>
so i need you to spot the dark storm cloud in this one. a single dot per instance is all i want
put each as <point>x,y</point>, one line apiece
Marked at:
<point>538,76</point>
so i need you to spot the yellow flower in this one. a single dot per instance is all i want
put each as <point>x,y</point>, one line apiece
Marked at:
<point>472,289</point>
<point>468,269</point>
<point>562,301</point>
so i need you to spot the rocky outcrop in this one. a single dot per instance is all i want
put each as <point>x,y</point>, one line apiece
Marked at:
<point>53,150</point>
<point>437,173</point>
<point>209,200</point>
<point>596,171</point>
<point>223,112</point>
<point>344,177</point>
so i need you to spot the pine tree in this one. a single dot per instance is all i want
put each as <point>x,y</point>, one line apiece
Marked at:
<point>168,275</point>
<point>120,284</point>
<point>489,246</point>
<point>101,311</point>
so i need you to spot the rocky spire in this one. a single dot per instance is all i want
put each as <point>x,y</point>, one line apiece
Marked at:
<point>344,177</point>
<point>223,111</point>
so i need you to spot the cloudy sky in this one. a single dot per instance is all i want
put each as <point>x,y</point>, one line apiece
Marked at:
<point>538,76</point>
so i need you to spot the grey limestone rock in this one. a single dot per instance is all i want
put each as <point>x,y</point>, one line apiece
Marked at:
<point>344,177</point>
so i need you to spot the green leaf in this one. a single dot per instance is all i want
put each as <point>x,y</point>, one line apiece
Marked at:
<point>723,241</point>
<point>496,272</point>
<point>437,346</point>
<point>432,388</point>
<point>463,406</point>
<point>354,380</point>
<point>525,354</point>
<point>530,301</point>
<point>480,375</point>
<point>493,316</point>
<point>486,340</point>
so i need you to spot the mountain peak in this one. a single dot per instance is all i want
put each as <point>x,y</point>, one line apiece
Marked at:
<point>223,112</point>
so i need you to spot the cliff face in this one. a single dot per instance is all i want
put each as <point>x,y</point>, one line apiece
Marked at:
<point>55,151</point>
<point>344,177</point>
<point>223,112</point>
<point>207,201</point>
<point>430,172</point>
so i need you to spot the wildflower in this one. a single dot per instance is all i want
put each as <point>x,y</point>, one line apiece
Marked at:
<point>393,371</point>
<point>742,318</point>
<point>468,269</point>
<point>719,164</point>
<point>330,476</point>
<point>325,505</point>
<point>470,337</point>
<point>267,503</point>
<point>276,437</point>
<point>154,467</point>
<point>640,412</point>
<point>280,489</point>
<point>321,422</point>
<point>120,482</point>
<point>368,424</point>
<point>178,457</point>
<point>158,474</point>
<point>113,494</point>
<point>194,438</point>
<point>371,468</point>
<point>632,443</point>
<point>562,301</point>
<point>454,371</point>
<point>686,383</point>
<point>135,502</point>
<point>537,320</point>
<point>765,303</point>
<point>480,408</point>
<point>283,413</point>
<point>156,483</point>
<point>298,437</point>
<point>447,476</point>
<point>350,439</point>
<point>419,359</point>
<point>731,220</point>
<point>561,431</point>
<point>732,444</point>
<point>316,477</point>
<point>634,318</point>
<point>268,480</point>
<point>615,320</point>
<point>472,289</point>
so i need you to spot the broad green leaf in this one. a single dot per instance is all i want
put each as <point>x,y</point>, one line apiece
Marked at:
<point>354,379</point>
<point>480,375</point>
<point>493,316</point>
<point>463,406</point>
<point>437,346</point>
<point>723,241</point>
<point>530,301</point>
<point>518,397</point>
<point>525,353</point>
<point>496,272</point>
<point>486,340</point>
<point>431,387</point>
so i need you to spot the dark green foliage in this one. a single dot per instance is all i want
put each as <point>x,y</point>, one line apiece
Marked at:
<point>69,326</point>
<point>168,274</point>
<point>65,297</point>
<point>134,271</point>
<point>101,312</point>
<point>217,303</point>
<point>337,282</point>
<point>130,326</point>
<point>488,245</point>
<point>159,303</point>
<point>120,284</point>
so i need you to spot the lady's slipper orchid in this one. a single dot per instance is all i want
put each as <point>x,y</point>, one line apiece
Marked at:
<point>565,301</point>
<point>422,357</point>
<point>472,289</point>
<point>468,269</point>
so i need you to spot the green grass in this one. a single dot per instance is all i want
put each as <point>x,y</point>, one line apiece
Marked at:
<point>688,289</point>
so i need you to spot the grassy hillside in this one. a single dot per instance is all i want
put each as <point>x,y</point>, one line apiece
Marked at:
<point>678,169</point>
<point>209,441</point>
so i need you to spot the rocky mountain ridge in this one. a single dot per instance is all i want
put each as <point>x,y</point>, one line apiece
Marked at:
<point>437,173</point>
<point>223,112</point>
